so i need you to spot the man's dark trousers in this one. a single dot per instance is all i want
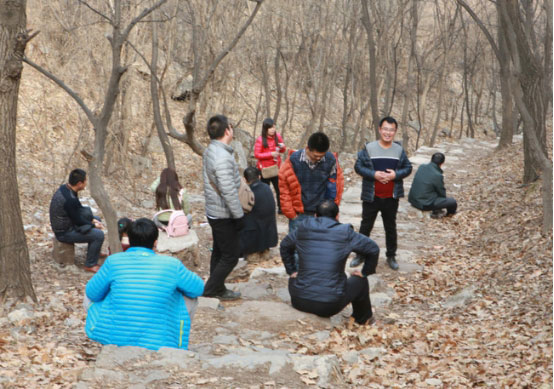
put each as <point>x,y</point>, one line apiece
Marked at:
<point>357,293</point>
<point>94,238</point>
<point>444,202</point>
<point>388,208</point>
<point>225,255</point>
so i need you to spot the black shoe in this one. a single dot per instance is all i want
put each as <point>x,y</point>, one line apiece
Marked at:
<point>229,295</point>
<point>392,263</point>
<point>437,214</point>
<point>357,261</point>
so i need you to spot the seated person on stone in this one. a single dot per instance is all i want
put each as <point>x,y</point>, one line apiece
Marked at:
<point>318,283</point>
<point>138,296</point>
<point>73,223</point>
<point>428,192</point>
<point>260,226</point>
<point>170,194</point>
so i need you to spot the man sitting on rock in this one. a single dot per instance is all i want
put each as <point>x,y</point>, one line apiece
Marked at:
<point>318,283</point>
<point>260,226</point>
<point>428,193</point>
<point>73,223</point>
<point>138,296</point>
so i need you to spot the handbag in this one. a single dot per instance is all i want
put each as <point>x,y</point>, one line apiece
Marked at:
<point>270,171</point>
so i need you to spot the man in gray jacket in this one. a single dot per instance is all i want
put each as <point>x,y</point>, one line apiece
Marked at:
<point>223,209</point>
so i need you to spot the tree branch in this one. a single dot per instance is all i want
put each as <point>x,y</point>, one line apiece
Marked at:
<point>62,85</point>
<point>483,28</point>
<point>95,11</point>
<point>141,16</point>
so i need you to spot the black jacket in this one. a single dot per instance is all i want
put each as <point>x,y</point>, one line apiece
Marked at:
<point>323,245</point>
<point>428,185</point>
<point>260,226</point>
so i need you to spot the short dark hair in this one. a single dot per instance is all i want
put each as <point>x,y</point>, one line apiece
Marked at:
<point>76,176</point>
<point>251,174</point>
<point>143,233</point>
<point>318,141</point>
<point>390,120</point>
<point>438,158</point>
<point>217,126</point>
<point>327,208</point>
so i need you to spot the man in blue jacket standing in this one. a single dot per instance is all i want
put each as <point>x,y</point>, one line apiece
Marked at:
<point>383,165</point>
<point>428,193</point>
<point>317,282</point>
<point>138,296</point>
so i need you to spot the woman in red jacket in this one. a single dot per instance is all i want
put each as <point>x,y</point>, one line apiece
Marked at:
<point>267,151</point>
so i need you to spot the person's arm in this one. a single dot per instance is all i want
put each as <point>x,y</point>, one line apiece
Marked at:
<point>366,247</point>
<point>189,283</point>
<point>73,207</point>
<point>259,154</point>
<point>285,195</point>
<point>280,140</point>
<point>99,285</point>
<point>364,166</point>
<point>405,167</point>
<point>228,189</point>
<point>439,186</point>
<point>287,247</point>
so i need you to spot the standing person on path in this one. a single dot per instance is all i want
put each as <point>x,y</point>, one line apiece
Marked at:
<point>308,177</point>
<point>73,223</point>
<point>267,151</point>
<point>428,192</point>
<point>383,165</point>
<point>317,282</point>
<point>223,209</point>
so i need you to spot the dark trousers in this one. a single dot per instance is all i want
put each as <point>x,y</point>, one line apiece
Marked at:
<point>357,293</point>
<point>388,208</point>
<point>275,182</point>
<point>94,238</point>
<point>444,202</point>
<point>225,255</point>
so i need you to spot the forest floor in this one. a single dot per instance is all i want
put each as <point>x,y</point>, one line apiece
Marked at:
<point>470,306</point>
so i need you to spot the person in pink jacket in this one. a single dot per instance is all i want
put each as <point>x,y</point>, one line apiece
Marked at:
<point>267,151</point>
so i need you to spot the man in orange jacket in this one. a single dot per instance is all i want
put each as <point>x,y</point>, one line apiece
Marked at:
<point>308,177</point>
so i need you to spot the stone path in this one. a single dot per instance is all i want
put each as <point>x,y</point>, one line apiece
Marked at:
<point>248,343</point>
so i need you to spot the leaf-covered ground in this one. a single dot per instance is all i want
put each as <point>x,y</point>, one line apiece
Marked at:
<point>491,256</point>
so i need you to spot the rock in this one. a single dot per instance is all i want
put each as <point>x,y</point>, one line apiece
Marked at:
<point>320,336</point>
<point>103,375</point>
<point>72,322</point>
<point>376,284</point>
<point>408,267</point>
<point>174,357</point>
<point>433,382</point>
<point>149,204</point>
<point>208,302</point>
<point>460,299</point>
<point>326,366</point>
<point>38,216</point>
<point>380,299</point>
<point>252,290</point>
<point>372,352</point>
<point>21,316</point>
<point>351,356</point>
<point>176,244</point>
<point>283,294</point>
<point>251,359</point>
<point>112,356</point>
<point>270,311</point>
<point>225,339</point>
<point>263,272</point>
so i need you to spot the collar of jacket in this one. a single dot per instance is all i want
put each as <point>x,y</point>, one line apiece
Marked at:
<point>140,250</point>
<point>219,143</point>
<point>436,166</point>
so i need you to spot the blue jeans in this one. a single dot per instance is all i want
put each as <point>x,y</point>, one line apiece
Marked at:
<point>94,238</point>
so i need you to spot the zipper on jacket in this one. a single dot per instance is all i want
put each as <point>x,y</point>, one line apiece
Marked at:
<point>181,333</point>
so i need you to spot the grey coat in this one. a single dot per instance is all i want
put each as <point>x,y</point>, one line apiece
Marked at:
<point>220,169</point>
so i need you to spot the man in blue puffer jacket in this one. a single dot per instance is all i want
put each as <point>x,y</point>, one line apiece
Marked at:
<point>318,283</point>
<point>137,296</point>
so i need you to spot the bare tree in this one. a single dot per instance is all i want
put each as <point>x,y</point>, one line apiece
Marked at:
<point>15,272</point>
<point>100,121</point>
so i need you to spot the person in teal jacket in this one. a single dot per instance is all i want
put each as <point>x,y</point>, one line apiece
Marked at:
<point>138,296</point>
<point>428,193</point>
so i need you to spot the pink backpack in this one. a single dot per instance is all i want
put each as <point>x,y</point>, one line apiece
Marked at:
<point>177,225</point>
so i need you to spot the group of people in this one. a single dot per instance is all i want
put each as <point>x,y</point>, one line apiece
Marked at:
<point>144,299</point>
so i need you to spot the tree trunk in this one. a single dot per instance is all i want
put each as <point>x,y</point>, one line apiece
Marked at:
<point>507,130</point>
<point>15,271</point>
<point>368,25</point>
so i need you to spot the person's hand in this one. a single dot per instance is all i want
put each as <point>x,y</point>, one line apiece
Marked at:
<point>357,273</point>
<point>97,224</point>
<point>274,154</point>
<point>382,177</point>
<point>293,275</point>
<point>390,174</point>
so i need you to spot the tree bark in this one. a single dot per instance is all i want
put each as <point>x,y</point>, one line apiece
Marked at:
<point>15,271</point>
<point>368,25</point>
